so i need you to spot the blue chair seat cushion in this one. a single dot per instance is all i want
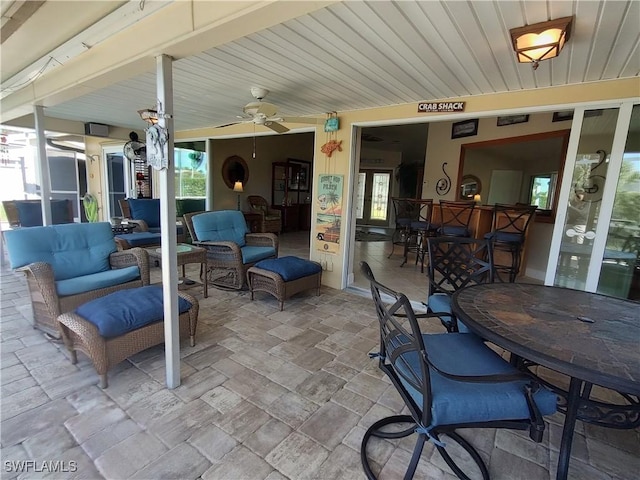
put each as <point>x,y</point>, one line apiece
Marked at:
<point>441,303</point>
<point>505,237</point>
<point>126,310</point>
<point>290,268</point>
<point>457,402</point>
<point>454,231</point>
<point>141,239</point>
<point>95,281</point>
<point>252,254</point>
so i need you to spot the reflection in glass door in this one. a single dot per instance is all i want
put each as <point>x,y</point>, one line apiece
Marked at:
<point>594,242</point>
<point>620,271</point>
<point>117,179</point>
<point>585,197</point>
<point>372,198</point>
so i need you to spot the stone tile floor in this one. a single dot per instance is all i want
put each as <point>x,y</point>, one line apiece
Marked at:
<point>264,395</point>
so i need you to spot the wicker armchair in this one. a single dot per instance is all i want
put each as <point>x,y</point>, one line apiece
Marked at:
<point>49,255</point>
<point>270,218</point>
<point>231,249</point>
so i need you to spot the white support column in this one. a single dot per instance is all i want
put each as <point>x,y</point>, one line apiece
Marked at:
<point>43,164</point>
<point>168,225</point>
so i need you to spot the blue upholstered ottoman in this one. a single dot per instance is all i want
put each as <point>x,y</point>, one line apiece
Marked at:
<point>112,328</point>
<point>283,277</point>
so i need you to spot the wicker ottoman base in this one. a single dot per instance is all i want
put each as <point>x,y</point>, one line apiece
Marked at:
<point>81,335</point>
<point>261,280</point>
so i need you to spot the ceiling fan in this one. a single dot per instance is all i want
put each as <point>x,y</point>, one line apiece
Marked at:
<point>264,113</point>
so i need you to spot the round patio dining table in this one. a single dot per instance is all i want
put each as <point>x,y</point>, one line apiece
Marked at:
<point>593,339</point>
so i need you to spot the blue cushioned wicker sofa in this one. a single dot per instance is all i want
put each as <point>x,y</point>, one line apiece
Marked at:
<point>68,265</point>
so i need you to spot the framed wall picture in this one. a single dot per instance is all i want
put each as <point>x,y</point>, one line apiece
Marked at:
<point>466,128</point>
<point>562,116</point>
<point>512,119</point>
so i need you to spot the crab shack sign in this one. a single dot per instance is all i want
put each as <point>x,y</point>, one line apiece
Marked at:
<point>436,107</point>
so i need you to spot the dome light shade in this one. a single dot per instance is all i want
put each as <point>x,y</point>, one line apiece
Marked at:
<point>540,41</point>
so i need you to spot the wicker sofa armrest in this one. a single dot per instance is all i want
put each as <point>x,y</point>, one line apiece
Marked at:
<point>274,213</point>
<point>141,225</point>
<point>40,277</point>
<point>133,256</point>
<point>224,251</point>
<point>262,240</point>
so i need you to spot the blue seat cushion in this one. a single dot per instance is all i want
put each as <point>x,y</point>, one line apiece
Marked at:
<point>140,239</point>
<point>251,254</point>
<point>441,303</point>
<point>505,237</point>
<point>86,283</point>
<point>454,231</point>
<point>420,225</point>
<point>126,310</point>
<point>456,402</point>
<point>221,226</point>
<point>290,268</point>
<point>147,209</point>
<point>72,250</point>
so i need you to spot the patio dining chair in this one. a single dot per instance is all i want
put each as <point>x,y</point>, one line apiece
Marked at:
<point>454,263</point>
<point>508,234</point>
<point>448,382</point>
<point>455,217</point>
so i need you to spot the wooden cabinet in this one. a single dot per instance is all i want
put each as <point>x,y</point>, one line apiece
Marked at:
<point>291,193</point>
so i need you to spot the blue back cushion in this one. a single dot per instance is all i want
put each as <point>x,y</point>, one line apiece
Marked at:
<point>30,212</point>
<point>72,250</point>
<point>126,310</point>
<point>147,209</point>
<point>221,226</point>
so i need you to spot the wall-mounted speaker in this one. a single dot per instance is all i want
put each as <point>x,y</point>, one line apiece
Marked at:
<point>96,129</point>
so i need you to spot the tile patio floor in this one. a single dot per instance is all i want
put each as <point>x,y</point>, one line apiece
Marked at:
<point>265,395</point>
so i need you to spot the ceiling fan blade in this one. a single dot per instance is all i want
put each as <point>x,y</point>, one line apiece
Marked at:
<point>276,127</point>
<point>267,109</point>
<point>234,123</point>
<point>310,120</point>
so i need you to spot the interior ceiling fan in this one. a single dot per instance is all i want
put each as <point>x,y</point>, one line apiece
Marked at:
<point>264,113</point>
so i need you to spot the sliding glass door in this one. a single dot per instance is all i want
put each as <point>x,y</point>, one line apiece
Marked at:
<point>595,240</point>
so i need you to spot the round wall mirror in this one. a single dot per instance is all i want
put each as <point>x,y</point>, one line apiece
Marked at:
<point>235,169</point>
<point>469,187</point>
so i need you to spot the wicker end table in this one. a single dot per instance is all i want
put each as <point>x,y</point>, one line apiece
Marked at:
<point>186,254</point>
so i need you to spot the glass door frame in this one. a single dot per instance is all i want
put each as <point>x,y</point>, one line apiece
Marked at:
<point>608,195</point>
<point>127,176</point>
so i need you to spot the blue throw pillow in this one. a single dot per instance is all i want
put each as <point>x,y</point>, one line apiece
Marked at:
<point>126,310</point>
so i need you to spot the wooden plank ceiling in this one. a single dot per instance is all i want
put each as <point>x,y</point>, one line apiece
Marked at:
<point>358,55</point>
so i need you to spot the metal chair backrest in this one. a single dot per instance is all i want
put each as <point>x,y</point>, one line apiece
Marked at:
<point>401,337</point>
<point>405,211</point>
<point>512,219</point>
<point>457,262</point>
<point>424,207</point>
<point>456,213</point>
